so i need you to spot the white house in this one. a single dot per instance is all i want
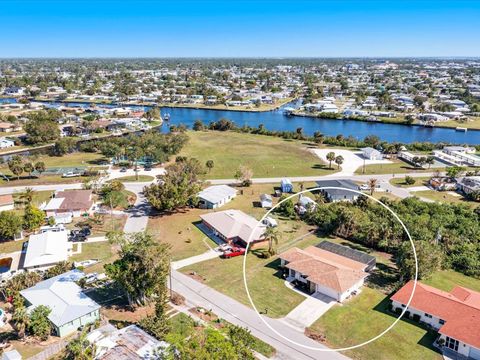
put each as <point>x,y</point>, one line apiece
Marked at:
<point>70,307</point>
<point>266,201</point>
<point>455,315</point>
<point>370,153</point>
<point>6,143</point>
<point>216,196</point>
<point>46,249</point>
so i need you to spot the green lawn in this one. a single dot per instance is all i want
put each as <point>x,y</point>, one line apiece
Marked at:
<point>445,197</point>
<point>267,156</point>
<point>396,167</point>
<point>132,178</point>
<point>38,197</point>
<point>400,181</point>
<point>447,279</point>
<point>103,251</point>
<point>11,246</point>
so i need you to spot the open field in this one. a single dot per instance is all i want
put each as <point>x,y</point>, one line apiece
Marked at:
<point>267,156</point>
<point>396,167</point>
<point>38,197</point>
<point>474,123</point>
<point>133,178</point>
<point>446,197</point>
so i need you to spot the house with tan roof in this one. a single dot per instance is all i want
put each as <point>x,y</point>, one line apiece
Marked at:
<point>6,202</point>
<point>234,226</point>
<point>329,269</point>
<point>75,202</point>
<point>455,315</point>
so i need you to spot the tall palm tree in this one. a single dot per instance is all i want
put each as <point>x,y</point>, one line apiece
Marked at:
<point>20,320</point>
<point>372,184</point>
<point>330,158</point>
<point>272,236</point>
<point>27,195</point>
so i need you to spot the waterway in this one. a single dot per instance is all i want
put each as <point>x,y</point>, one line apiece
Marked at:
<point>276,120</point>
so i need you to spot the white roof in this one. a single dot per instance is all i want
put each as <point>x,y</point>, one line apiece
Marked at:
<point>54,204</point>
<point>217,193</point>
<point>63,296</point>
<point>235,223</point>
<point>46,248</point>
<point>11,355</point>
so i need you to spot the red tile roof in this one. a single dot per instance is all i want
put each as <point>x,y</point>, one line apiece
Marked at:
<point>460,308</point>
<point>6,199</point>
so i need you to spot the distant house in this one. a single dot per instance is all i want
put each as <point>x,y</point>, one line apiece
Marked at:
<point>70,307</point>
<point>443,183</point>
<point>305,204</point>
<point>6,143</point>
<point>46,249</point>
<point>469,184</point>
<point>215,196</point>
<point>338,274</point>
<point>130,342</point>
<point>234,226</point>
<point>286,185</point>
<point>370,153</point>
<point>9,127</point>
<point>266,201</point>
<point>455,315</point>
<point>6,202</point>
<point>76,202</point>
<point>343,194</point>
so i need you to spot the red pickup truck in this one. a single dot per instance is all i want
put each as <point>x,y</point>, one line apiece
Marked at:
<point>236,251</point>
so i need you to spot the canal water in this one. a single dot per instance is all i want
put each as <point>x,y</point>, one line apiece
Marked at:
<point>276,120</point>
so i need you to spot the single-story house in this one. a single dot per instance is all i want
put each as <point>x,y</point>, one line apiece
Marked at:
<point>130,342</point>
<point>304,204</point>
<point>9,127</point>
<point>286,185</point>
<point>469,184</point>
<point>266,201</point>
<point>6,143</point>
<point>216,196</point>
<point>455,315</point>
<point>316,269</point>
<point>46,249</point>
<point>443,183</point>
<point>370,153</point>
<point>6,202</point>
<point>70,307</point>
<point>234,226</point>
<point>77,202</point>
<point>343,194</point>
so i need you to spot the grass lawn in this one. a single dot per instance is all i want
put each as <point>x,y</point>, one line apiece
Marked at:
<point>265,282</point>
<point>11,246</point>
<point>473,124</point>
<point>364,317</point>
<point>42,180</point>
<point>103,251</point>
<point>396,167</point>
<point>446,197</point>
<point>267,156</point>
<point>132,178</point>
<point>38,197</point>
<point>447,279</point>
<point>419,181</point>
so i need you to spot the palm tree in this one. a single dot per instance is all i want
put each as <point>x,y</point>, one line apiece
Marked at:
<point>272,236</point>
<point>330,158</point>
<point>339,160</point>
<point>430,161</point>
<point>27,195</point>
<point>372,183</point>
<point>20,319</point>
<point>80,348</point>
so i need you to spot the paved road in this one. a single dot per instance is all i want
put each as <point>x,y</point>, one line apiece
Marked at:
<point>138,215</point>
<point>198,294</point>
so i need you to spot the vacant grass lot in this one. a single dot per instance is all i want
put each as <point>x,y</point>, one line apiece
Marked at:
<point>133,178</point>
<point>446,197</point>
<point>396,167</point>
<point>102,251</point>
<point>400,181</point>
<point>366,316</point>
<point>267,156</point>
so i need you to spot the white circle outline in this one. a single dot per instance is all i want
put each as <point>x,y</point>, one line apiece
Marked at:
<point>326,349</point>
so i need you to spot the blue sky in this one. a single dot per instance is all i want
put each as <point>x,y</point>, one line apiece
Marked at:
<point>249,28</point>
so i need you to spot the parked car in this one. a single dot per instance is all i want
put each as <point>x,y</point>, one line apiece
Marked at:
<point>123,169</point>
<point>71,174</point>
<point>233,253</point>
<point>147,168</point>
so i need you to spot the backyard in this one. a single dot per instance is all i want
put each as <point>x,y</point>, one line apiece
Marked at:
<point>267,156</point>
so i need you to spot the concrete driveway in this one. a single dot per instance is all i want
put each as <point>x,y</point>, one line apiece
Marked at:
<point>311,309</point>
<point>351,160</point>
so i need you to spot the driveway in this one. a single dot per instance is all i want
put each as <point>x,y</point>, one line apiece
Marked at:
<point>352,160</point>
<point>309,310</point>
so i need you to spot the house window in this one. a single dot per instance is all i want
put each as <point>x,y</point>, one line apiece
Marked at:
<point>428,315</point>
<point>441,321</point>
<point>451,343</point>
<point>403,305</point>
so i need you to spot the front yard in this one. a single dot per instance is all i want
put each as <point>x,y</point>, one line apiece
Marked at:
<point>446,197</point>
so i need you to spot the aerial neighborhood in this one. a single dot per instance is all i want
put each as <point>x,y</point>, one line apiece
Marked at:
<point>144,203</point>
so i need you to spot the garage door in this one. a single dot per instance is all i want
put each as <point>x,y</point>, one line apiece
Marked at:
<point>475,353</point>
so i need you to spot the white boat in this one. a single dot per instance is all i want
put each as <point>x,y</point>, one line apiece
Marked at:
<point>459,128</point>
